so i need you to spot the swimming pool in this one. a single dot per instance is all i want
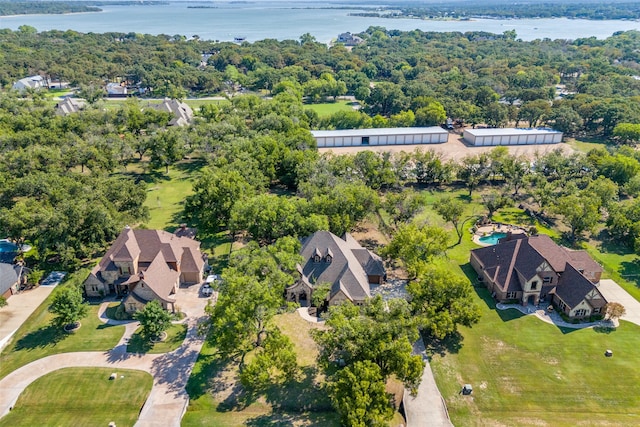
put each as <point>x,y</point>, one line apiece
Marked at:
<point>7,246</point>
<point>492,239</point>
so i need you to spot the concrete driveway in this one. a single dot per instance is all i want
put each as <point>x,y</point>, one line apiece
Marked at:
<point>427,408</point>
<point>19,308</point>
<point>614,293</point>
<point>168,399</point>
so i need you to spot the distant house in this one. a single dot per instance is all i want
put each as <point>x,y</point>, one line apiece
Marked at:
<point>12,276</point>
<point>32,82</point>
<point>349,39</point>
<point>181,112</point>
<point>116,90</point>
<point>534,269</point>
<point>146,265</point>
<point>69,106</point>
<point>343,263</point>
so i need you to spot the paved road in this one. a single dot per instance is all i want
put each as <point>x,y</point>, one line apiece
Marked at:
<point>614,293</point>
<point>18,310</point>
<point>427,408</point>
<point>168,399</point>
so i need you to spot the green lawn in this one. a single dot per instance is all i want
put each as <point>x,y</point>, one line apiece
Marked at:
<point>36,338</point>
<point>166,193</point>
<point>527,372</point>
<point>328,108</point>
<point>81,397</point>
<point>175,336</point>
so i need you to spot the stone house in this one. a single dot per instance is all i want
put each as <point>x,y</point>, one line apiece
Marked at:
<point>343,263</point>
<point>181,112</point>
<point>535,269</point>
<point>146,265</point>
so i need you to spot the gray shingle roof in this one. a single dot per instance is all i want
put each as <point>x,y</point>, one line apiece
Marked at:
<point>8,276</point>
<point>345,272</point>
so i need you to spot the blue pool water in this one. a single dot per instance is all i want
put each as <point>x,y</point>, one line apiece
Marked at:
<point>492,239</point>
<point>6,246</point>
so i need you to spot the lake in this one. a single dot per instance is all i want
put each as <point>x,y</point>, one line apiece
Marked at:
<point>281,20</point>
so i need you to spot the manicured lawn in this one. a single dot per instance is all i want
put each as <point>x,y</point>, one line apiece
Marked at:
<point>620,264</point>
<point>175,336</point>
<point>527,372</point>
<point>329,108</point>
<point>81,397</point>
<point>36,338</point>
<point>585,146</point>
<point>166,193</point>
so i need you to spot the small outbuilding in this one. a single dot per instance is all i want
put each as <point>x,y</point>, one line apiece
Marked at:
<point>512,136</point>
<point>381,136</point>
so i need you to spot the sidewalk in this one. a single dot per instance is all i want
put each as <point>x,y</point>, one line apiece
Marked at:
<point>19,309</point>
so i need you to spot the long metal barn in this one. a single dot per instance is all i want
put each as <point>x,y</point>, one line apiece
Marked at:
<point>512,136</point>
<point>381,136</point>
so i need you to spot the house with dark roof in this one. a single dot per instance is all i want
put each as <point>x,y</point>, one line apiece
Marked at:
<point>12,276</point>
<point>534,269</point>
<point>146,265</point>
<point>343,263</point>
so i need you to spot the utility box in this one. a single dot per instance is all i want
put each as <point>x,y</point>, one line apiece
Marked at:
<point>467,389</point>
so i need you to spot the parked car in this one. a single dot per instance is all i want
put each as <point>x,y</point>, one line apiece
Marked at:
<point>206,290</point>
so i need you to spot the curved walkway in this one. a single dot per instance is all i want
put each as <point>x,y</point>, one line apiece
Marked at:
<point>553,317</point>
<point>168,399</point>
<point>304,313</point>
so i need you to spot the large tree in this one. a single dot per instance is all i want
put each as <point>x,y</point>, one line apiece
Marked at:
<point>452,210</point>
<point>416,246</point>
<point>442,300</point>
<point>381,332</point>
<point>67,306</point>
<point>359,395</point>
<point>154,319</point>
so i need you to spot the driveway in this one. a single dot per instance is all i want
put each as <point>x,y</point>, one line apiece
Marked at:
<point>19,308</point>
<point>614,293</point>
<point>168,399</point>
<point>427,408</point>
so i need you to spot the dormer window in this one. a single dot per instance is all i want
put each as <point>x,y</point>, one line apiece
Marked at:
<point>317,256</point>
<point>329,258</point>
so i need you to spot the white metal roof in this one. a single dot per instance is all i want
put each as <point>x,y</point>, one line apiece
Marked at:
<point>510,131</point>
<point>379,132</point>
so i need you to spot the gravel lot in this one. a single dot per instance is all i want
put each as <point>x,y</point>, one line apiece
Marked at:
<point>454,149</point>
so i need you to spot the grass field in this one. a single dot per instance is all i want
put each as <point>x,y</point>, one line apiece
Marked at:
<point>166,193</point>
<point>95,400</point>
<point>175,336</point>
<point>526,372</point>
<point>36,338</point>
<point>329,108</point>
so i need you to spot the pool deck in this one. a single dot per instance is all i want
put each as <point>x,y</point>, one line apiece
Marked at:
<point>494,228</point>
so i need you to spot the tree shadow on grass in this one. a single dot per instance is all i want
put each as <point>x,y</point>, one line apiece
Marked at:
<point>190,166</point>
<point>139,344</point>
<point>630,271</point>
<point>48,336</point>
<point>311,419</point>
<point>202,379</point>
<point>450,345</point>
<point>604,329</point>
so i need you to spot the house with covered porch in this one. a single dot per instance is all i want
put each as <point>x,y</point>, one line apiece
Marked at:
<point>146,265</point>
<point>343,263</point>
<point>534,269</point>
